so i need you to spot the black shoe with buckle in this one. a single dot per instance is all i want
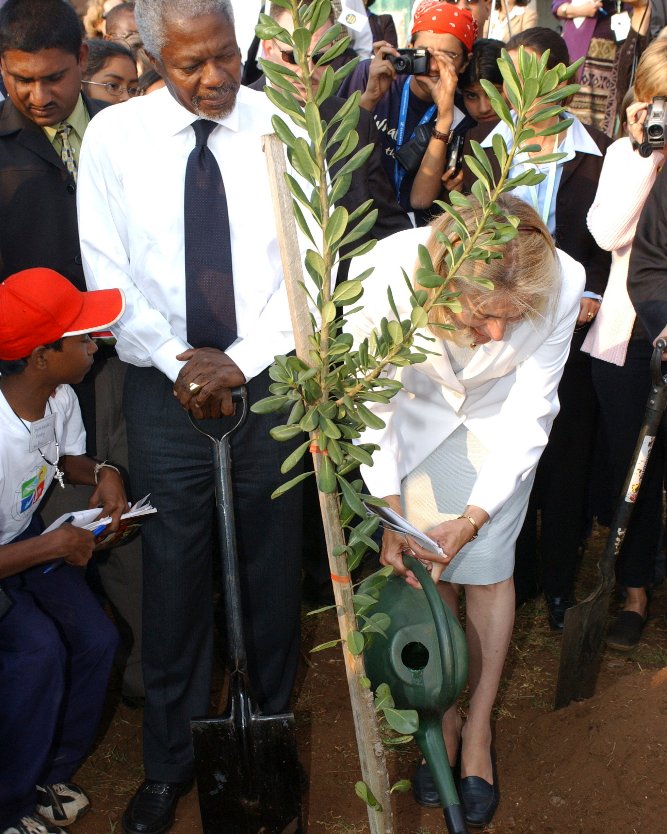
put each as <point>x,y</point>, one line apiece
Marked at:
<point>556,608</point>
<point>152,808</point>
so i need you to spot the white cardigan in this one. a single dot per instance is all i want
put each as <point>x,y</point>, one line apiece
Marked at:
<point>506,395</point>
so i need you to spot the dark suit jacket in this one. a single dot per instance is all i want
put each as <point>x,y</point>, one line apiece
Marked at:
<point>38,223</point>
<point>368,182</point>
<point>647,273</point>
<point>576,192</point>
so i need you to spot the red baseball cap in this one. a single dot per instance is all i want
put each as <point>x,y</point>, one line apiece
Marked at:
<point>39,306</point>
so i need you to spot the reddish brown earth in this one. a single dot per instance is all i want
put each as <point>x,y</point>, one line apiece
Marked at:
<point>597,767</point>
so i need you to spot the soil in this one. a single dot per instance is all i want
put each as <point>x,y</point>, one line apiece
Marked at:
<point>595,767</point>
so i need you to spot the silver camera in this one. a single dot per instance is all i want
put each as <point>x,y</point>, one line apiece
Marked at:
<point>655,126</point>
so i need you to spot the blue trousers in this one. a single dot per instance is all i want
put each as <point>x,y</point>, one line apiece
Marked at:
<point>56,650</point>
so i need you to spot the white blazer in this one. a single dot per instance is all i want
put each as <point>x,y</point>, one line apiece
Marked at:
<point>506,395</point>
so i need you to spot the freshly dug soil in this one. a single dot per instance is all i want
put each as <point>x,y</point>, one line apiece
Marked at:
<point>596,767</point>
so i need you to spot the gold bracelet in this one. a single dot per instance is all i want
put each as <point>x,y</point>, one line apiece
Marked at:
<point>475,526</point>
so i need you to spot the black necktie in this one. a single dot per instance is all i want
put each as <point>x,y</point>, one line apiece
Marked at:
<point>209,281</point>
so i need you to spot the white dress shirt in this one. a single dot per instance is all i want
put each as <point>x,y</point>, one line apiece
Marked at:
<point>130,200</point>
<point>506,395</point>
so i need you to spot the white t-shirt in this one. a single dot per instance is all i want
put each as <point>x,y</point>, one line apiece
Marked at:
<point>24,475</point>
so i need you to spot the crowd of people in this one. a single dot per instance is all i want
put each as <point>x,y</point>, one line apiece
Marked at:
<point>141,283</point>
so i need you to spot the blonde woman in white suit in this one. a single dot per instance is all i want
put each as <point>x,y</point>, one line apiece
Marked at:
<point>462,439</point>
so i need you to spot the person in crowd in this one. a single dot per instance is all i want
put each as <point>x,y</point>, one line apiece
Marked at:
<point>121,27</point>
<point>382,26</point>
<point>186,350</point>
<point>560,494</point>
<point>483,64</point>
<point>111,73</point>
<point>56,643</point>
<point>93,19</point>
<point>415,113</point>
<point>42,124</point>
<point>462,439</point>
<point>609,61</point>
<point>149,82</point>
<point>512,17</point>
<point>621,349</point>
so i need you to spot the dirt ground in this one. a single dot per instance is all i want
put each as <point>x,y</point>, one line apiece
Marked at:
<point>596,767</point>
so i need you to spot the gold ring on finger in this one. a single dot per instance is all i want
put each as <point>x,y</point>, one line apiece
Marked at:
<point>195,387</point>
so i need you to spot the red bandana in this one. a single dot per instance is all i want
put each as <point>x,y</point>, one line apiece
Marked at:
<point>445,19</point>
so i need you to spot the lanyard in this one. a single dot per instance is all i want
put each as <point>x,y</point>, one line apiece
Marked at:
<point>399,171</point>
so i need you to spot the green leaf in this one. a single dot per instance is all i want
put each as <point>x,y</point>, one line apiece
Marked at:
<point>383,697</point>
<point>404,721</point>
<point>395,740</point>
<point>347,292</point>
<point>355,642</point>
<point>269,405</point>
<point>283,488</point>
<point>364,793</point>
<point>329,428</point>
<point>313,122</point>
<point>326,479</point>
<point>326,86</point>
<point>362,227</point>
<point>311,420</point>
<point>351,497</point>
<point>336,226</point>
<point>291,461</point>
<point>368,418</point>
<point>482,158</point>
<point>364,682</point>
<point>336,50</point>
<point>345,148</point>
<point>301,38</point>
<point>329,645</point>
<point>360,158</point>
<point>321,610</point>
<point>285,432</point>
<point>403,785</point>
<point>340,188</point>
<point>377,623</point>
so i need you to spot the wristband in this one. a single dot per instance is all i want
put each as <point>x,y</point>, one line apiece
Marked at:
<point>475,526</point>
<point>103,465</point>
<point>443,137</point>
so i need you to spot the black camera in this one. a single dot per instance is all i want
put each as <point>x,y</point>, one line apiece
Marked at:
<point>410,61</point>
<point>655,126</point>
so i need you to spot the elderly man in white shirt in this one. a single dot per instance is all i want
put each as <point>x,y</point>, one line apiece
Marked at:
<point>134,234</point>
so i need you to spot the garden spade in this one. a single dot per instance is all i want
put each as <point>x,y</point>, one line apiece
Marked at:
<point>246,763</point>
<point>585,623</point>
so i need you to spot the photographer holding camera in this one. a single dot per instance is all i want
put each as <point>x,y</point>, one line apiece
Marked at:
<point>410,93</point>
<point>619,339</point>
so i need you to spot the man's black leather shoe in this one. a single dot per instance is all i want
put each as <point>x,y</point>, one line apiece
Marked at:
<point>479,799</point>
<point>556,608</point>
<point>152,808</point>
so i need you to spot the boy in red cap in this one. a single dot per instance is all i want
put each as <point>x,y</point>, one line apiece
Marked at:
<point>56,643</point>
<point>416,114</point>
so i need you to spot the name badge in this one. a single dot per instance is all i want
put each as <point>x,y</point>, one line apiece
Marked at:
<point>620,25</point>
<point>353,19</point>
<point>42,432</point>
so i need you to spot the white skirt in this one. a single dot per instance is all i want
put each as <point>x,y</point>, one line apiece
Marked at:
<point>438,490</point>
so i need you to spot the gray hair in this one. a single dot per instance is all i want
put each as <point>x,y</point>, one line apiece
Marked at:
<point>151,17</point>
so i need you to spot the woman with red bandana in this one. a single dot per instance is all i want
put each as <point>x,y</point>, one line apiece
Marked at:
<point>415,113</point>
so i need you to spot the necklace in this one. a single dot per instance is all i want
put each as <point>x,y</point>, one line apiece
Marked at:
<point>59,474</point>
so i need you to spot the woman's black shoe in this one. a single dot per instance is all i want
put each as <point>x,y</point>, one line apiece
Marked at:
<point>625,632</point>
<point>423,783</point>
<point>480,799</point>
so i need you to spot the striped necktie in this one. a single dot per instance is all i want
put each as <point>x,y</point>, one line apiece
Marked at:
<point>66,150</point>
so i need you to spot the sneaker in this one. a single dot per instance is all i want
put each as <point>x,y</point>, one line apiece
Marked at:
<point>61,804</point>
<point>33,825</point>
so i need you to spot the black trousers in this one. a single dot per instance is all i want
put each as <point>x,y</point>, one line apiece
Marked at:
<point>623,392</point>
<point>561,486</point>
<point>173,462</point>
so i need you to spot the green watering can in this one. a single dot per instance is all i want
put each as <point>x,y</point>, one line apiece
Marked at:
<point>425,662</point>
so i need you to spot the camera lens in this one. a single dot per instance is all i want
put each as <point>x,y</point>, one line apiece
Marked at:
<point>655,132</point>
<point>400,64</point>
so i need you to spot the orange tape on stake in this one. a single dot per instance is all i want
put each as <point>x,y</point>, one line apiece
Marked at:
<point>342,579</point>
<point>314,449</point>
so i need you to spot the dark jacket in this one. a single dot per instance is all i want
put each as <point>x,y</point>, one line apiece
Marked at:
<point>647,272</point>
<point>38,222</point>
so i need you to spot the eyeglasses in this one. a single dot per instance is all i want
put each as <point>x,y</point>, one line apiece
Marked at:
<point>115,89</point>
<point>289,57</point>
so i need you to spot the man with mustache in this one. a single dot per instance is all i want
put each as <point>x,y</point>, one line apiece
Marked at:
<point>206,311</point>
